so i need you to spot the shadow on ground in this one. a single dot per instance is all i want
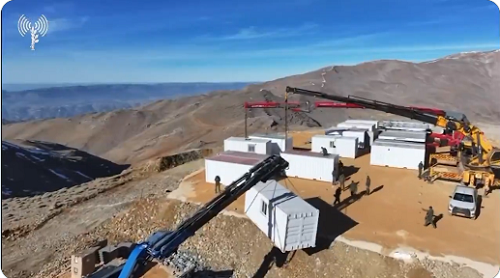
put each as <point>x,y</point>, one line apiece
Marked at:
<point>274,258</point>
<point>350,170</point>
<point>332,223</point>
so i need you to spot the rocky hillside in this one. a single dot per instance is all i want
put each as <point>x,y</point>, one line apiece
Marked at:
<point>467,82</point>
<point>32,168</point>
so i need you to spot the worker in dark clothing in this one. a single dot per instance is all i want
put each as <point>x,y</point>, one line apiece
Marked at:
<point>341,167</point>
<point>354,188</point>
<point>342,181</point>
<point>429,218</point>
<point>324,151</point>
<point>217,185</point>
<point>334,177</point>
<point>368,183</point>
<point>420,170</point>
<point>338,191</point>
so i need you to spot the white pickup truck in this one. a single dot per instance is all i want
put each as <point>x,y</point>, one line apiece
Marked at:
<point>464,202</point>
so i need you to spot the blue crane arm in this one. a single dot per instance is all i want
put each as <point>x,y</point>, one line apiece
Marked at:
<point>134,259</point>
<point>163,244</point>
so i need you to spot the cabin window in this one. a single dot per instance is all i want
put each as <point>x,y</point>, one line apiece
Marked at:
<point>263,208</point>
<point>332,144</point>
<point>251,148</point>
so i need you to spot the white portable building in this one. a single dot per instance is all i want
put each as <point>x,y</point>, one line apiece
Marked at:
<point>370,127</point>
<point>375,123</point>
<point>290,222</point>
<point>230,166</point>
<point>405,125</point>
<point>361,134</point>
<point>342,145</point>
<point>310,165</point>
<point>397,154</point>
<point>279,143</point>
<point>403,135</point>
<point>249,145</point>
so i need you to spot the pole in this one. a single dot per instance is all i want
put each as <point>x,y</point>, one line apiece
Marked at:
<point>246,122</point>
<point>286,119</point>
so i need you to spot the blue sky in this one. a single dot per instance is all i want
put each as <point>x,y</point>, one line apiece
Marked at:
<point>258,40</point>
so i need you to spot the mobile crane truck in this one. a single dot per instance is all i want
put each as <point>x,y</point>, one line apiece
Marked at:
<point>162,244</point>
<point>477,164</point>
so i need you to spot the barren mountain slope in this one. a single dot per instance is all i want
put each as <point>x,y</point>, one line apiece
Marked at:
<point>30,168</point>
<point>466,82</point>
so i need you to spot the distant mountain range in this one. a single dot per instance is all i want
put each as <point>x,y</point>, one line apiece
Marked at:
<point>67,101</point>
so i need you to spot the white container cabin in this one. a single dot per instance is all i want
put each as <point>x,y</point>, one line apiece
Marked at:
<point>403,135</point>
<point>370,127</point>
<point>374,123</point>
<point>230,166</point>
<point>361,134</point>
<point>397,154</point>
<point>342,145</point>
<point>311,165</point>
<point>405,125</point>
<point>279,143</point>
<point>249,145</point>
<point>290,222</point>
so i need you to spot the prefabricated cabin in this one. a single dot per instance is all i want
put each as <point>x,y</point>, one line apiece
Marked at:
<point>397,154</point>
<point>361,134</point>
<point>311,165</point>
<point>403,135</point>
<point>370,127</point>
<point>279,143</point>
<point>405,125</point>
<point>290,222</point>
<point>249,145</point>
<point>230,166</point>
<point>375,123</point>
<point>342,145</point>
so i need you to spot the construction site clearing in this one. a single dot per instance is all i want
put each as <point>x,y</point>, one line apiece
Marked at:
<point>390,220</point>
<point>392,216</point>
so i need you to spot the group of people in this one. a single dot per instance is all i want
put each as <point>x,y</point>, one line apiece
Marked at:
<point>339,178</point>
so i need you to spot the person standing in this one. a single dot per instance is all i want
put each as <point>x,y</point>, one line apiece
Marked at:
<point>334,177</point>
<point>342,181</point>
<point>368,183</point>
<point>420,170</point>
<point>338,191</point>
<point>217,184</point>
<point>354,188</point>
<point>429,218</point>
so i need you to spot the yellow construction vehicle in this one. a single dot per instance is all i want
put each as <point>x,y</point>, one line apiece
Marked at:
<point>477,162</point>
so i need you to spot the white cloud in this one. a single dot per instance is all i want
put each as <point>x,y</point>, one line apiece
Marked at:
<point>252,32</point>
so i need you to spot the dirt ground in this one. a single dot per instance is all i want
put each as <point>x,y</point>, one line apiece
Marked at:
<point>393,216</point>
